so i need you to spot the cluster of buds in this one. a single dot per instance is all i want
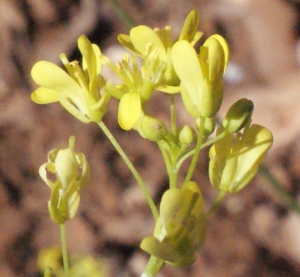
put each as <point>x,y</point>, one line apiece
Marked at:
<point>174,68</point>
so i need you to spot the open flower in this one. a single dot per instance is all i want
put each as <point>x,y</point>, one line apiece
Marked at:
<point>235,159</point>
<point>72,174</point>
<point>80,91</point>
<point>180,229</point>
<point>141,38</point>
<point>138,85</point>
<point>201,75</point>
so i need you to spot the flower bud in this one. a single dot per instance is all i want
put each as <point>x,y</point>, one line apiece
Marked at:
<point>72,174</point>
<point>153,129</point>
<point>186,135</point>
<point>238,115</point>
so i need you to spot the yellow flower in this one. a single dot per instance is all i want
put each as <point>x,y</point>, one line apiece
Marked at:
<point>78,90</point>
<point>201,75</point>
<point>181,227</point>
<point>141,38</point>
<point>235,159</point>
<point>72,174</point>
<point>138,85</point>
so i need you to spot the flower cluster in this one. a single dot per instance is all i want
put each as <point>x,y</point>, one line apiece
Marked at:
<point>173,68</point>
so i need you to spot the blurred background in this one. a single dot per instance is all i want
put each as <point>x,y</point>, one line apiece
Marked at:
<point>253,233</point>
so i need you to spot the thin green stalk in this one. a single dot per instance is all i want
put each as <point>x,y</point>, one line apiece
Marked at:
<point>197,151</point>
<point>131,168</point>
<point>173,176</point>
<point>153,267</point>
<point>289,199</point>
<point>166,159</point>
<point>216,204</point>
<point>48,272</point>
<point>63,239</point>
<point>190,153</point>
<point>173,114</point>
<point>127,19</point>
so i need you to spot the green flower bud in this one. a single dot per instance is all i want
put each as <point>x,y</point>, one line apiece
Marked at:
<point>152,128</point>
<point>180,230</point>
<point>238,115</point>
<point>186,135</point>
<point>72,174</point>
<point>209,125</point>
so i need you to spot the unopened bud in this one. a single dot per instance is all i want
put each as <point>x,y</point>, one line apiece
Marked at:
<point>238,115</point>
<point>186,135</point>
<point>153,129</point>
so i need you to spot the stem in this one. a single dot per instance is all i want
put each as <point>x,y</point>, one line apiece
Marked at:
<point>63,239</point>
<point>216,204</point>
<point>173,176</point>
<point>191,152</point>
<point>48,272</point>
<point>197,151</point>
<point>166,158</point>
<point>131,168</point>
<point>288,198</point>
<point>173,114</point>
<point>153,267</point>
<point>128,20</point>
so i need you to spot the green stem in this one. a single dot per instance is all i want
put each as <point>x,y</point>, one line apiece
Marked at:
<point>173,176</point>
<point>197,151</point>
<point>48,272</point>
<point>289,199</point>
<point>153,267</point>
<point>129,21</point>
<point>63,239</point>
<point>191,152</point>
<point>216,204</point>
<point>166,159</point>
<point>131,168</point>
<point>173,114</point>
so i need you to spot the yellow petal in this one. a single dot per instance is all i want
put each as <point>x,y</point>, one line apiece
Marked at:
<point>45,96</point>
<point>187,67</point>
<point>141,36</point>
<point>126,42</point>
<point>161,250</point>
<point>190,26</point>
<point>225,46</point>
<point>66,167</point>
<point>255,144</point>
<point>189,103</point>
<point>88,56</point>
<point>129,110</point>
<point>50,76</point>
<point>80,115</point>
<point>218,54</point>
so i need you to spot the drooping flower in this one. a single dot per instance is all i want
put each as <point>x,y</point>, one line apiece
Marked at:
<point>181,227</point>
<point>81,91</point>
<point>71,174</point>
<point>141,38</point>
<point>201,75</point>
<point>235,159</point>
